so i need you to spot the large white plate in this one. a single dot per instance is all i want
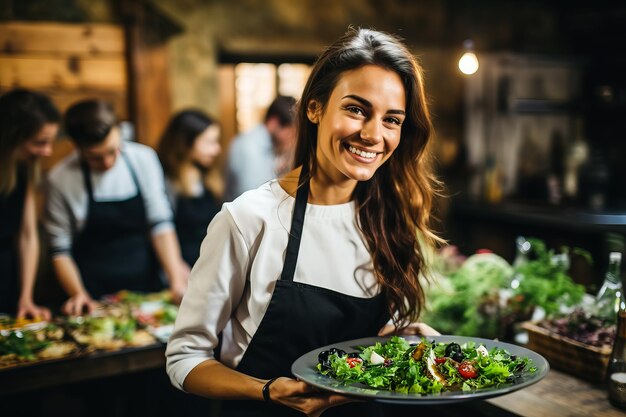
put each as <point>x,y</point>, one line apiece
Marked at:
<point>304,369</point>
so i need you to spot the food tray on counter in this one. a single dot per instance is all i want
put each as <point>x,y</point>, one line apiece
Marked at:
<point>568,355</point>
<point>123,321</point>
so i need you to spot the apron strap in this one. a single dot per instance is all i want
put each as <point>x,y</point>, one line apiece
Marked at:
<point>297,222</point>
<point>87,179</point>
<point>87,175</point>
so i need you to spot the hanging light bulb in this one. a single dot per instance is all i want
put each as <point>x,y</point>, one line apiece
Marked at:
<point>468,64</point>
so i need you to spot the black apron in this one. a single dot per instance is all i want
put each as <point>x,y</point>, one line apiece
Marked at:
<point>11,213</point>
<point>300,318</point>
<point>193,215</point>
<point>114,250</point>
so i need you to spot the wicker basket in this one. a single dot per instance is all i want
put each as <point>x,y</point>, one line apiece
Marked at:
<point>568,355</point>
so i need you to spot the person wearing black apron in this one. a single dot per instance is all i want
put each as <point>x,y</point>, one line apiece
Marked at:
<point>192,216</point>
<point>29,123</point>
<point>11,210</point>
<point>107,235</point>
<point>114,251</point>
<point>366,188</point>
<point>188,149</point>
<point>289,318</point>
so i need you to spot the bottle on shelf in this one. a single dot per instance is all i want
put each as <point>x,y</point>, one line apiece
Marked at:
<point>576,156</point>
<point>522,246</point>
<point>493,181</point>
<point>609,299</point>
<point>616,370</point>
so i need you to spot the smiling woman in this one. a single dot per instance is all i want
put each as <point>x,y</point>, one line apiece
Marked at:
<point>362,187</point>
<point>29,123</point>
<point>360,127</point>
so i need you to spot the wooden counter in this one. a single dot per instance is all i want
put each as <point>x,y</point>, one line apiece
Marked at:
<point>122,383</point>
<point>558,394</point>
<point>88,367</point>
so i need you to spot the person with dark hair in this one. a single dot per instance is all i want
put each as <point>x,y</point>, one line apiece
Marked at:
<point>335,250</point>
<point>263,153</point>
<point>29,123</point>
<point>188,149</point>
<point>107,214</point>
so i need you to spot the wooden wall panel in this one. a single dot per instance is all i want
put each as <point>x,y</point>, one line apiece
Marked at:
<point>73,72</point>
<point>68,62</point>
<point>61,38</point>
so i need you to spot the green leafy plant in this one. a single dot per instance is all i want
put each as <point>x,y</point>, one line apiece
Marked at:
<point>474,296</point>
<point>466,301</point>
<point>543,281</point>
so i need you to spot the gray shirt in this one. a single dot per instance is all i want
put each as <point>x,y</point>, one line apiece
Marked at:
<point>67,199</point>
<point>251,162</point>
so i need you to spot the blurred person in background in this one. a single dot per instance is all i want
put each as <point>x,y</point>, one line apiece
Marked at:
<point>29,123</point>
<point>107,214</point>
<point>188,150</point>
<point>263,153</point>
<point>332,251</point>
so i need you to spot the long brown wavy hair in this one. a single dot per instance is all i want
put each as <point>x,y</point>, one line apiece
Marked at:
<point>393,207</point>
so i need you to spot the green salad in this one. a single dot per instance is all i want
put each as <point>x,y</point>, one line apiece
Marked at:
<point>427,367</point>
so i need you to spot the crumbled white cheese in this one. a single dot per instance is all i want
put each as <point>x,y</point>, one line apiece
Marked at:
<point>376,359</point>
<point>482,350</point>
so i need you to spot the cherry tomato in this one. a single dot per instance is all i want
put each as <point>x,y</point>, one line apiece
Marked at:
<point>439,361</point>
<point>353,361</point>
<point>468,370</point>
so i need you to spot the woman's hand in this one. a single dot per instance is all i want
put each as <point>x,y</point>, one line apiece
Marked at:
<point>178,284</point>
<point>303,397</point>
<point>413,329</point>
<point>75,305</point>
<point>26,308</point>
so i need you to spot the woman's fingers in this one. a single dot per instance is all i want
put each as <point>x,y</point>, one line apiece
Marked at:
<point>303,397</point>
<point>425,330</point>
<point>323,401</point>
<point>419,329</point>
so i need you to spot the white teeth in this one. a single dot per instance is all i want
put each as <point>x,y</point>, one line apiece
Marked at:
<point>369,155</point>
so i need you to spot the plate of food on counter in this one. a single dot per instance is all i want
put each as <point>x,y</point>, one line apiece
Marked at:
<point>421,370</point>
<point>156,312</point>
<point>28,341</point>
<point>108,332</point>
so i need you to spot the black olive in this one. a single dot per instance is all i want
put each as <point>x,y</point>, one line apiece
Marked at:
<point>413,344</point>
<point>457,356</point>
<point>354,355</point>
<point>452,348</point>
<point>323,356</point>
<point>336,351</point>
<point>325,365</point>
<point>513,357</point>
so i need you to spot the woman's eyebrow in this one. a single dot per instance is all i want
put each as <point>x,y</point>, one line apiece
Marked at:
<point>367,103</point>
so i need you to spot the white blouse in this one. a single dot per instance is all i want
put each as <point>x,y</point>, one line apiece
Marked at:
<point>242,257</point>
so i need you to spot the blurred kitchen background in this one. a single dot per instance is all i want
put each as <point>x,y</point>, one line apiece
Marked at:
<point>532,143</point>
